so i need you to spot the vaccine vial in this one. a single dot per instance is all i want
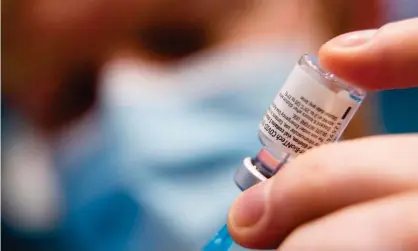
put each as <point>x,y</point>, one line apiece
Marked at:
<point>312,108</point>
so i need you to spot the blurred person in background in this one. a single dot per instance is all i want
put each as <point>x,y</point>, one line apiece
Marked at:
<point>123,121</point>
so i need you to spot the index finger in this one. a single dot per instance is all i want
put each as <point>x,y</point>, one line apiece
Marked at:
<point>386,58</point>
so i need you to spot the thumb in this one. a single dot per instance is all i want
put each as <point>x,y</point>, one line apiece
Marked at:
<point>321,182</point>
<point>386,58</point>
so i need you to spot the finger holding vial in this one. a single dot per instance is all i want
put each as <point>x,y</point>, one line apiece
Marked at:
<point>326,190</point>
<point>386,58</point>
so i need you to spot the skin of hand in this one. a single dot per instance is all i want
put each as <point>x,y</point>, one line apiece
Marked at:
<point>354,195</point>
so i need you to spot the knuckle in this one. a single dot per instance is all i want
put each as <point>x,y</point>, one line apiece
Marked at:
<point>387,27</point>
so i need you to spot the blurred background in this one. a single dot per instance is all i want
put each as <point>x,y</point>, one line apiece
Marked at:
<point>123,121</point>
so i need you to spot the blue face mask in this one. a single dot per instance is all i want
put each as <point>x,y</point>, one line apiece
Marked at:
<point>153,170</point>
<point>180,134</point>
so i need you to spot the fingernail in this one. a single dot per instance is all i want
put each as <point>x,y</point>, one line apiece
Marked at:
<point>249,207</point>
<point>353,39</point>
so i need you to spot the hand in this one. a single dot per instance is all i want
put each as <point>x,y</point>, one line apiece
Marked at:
<point>354,195</point>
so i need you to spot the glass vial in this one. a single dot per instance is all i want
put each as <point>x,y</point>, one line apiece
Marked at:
<point>312,108</point>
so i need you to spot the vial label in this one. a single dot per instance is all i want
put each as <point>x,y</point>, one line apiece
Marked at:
<point>305,114</point>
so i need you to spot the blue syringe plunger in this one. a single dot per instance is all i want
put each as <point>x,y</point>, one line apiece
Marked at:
<point>222,241</point>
